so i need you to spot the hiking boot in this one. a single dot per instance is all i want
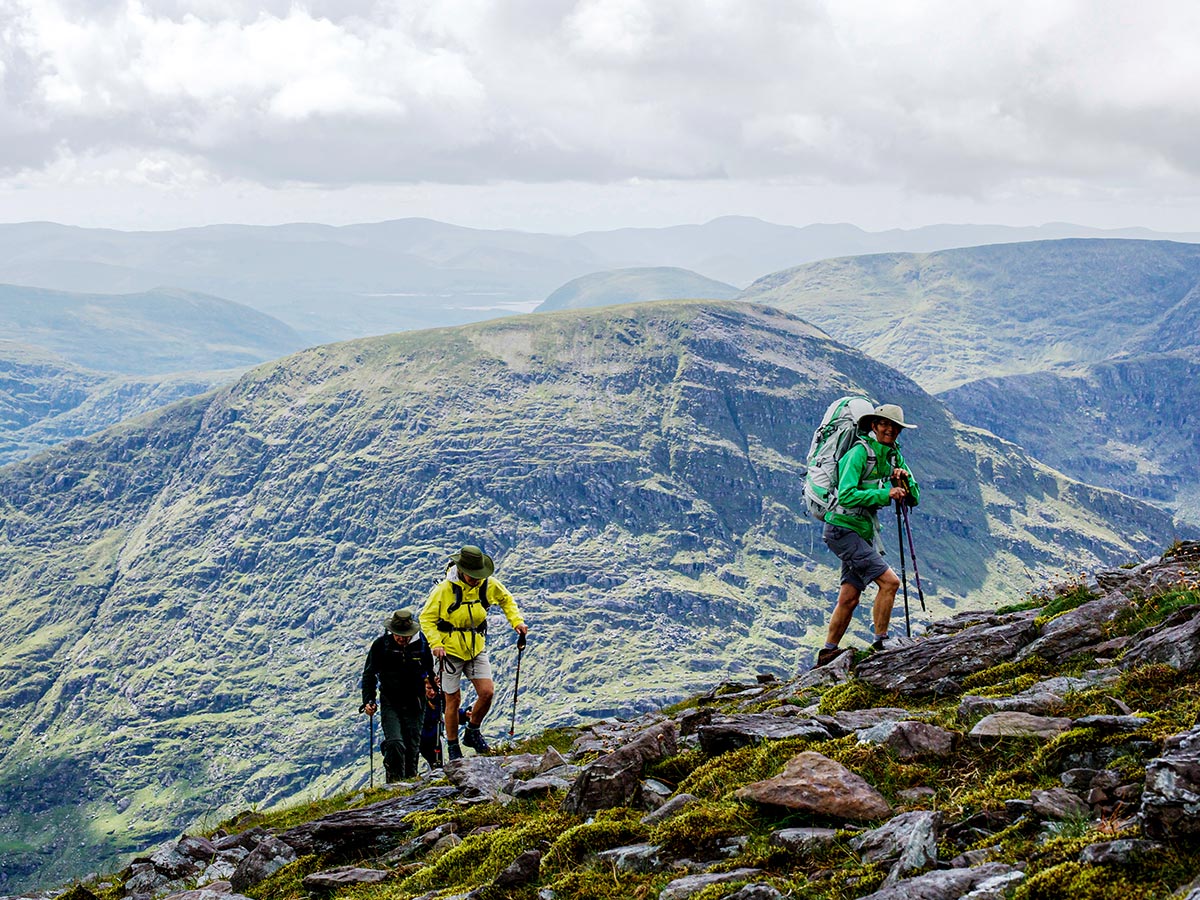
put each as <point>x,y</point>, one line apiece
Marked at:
<point>474,739</point>
<point>890,643</point>
<point>453,751</point>
<point>827,655</point>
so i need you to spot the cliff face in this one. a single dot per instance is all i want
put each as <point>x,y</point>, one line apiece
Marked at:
<point>186,598</point>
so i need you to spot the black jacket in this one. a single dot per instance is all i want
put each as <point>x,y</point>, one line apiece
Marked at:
<point>400,671</point>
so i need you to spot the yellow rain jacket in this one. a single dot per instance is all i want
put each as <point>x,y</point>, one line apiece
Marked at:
<point>460,631</point>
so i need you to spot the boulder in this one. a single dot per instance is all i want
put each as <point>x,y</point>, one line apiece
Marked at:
<point>1171,799</point>
<point>1078,628</point>
<point>332,879</point>
<point>1117,853</point>
<point>616,778</point>
<point>803,840</point>
<point>641,858</point>
<point>672,807</point>
<point>984,882</point>
<point>906,844</point>
<point>725,733</point>
<point>540,787</point>
<point>1018,724</point>
<point>911,740</point>
<point>551,759</point>
<point>271,855</point>
<point>1058,804</point>
<point>848,721</point>
<point>522,870</point>
<point>1175,642</point>
<point>936,664</point>
<point>479,776</point>
<point>367,831</point>
<point>681,888</point>
<point>815,783</point>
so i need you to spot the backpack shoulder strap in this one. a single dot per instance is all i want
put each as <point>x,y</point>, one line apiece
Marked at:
<point>483,597</point>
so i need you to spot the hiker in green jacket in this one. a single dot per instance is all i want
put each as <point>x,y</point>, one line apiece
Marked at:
<point>871,475</point>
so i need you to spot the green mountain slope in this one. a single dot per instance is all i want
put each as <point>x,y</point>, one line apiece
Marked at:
<point>185,599</point>
<point>45,400</point>
<point>959,315</point>
<point>633,285</point>
<point>1130,423</point>
<point>152,332</point>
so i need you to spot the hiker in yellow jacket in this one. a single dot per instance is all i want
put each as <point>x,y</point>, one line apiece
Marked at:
<point>454,622</point>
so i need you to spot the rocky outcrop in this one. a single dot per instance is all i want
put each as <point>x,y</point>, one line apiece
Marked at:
<point>616,778</point>
<point>1171,801</point>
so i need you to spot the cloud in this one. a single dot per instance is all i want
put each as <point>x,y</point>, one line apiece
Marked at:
<point>935,96</point>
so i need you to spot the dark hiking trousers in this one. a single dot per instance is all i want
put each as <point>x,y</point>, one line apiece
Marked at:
<point>401,738</point>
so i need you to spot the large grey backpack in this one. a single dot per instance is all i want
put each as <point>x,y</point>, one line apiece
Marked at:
<point>836,434</point>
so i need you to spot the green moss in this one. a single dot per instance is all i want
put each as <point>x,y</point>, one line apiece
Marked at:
<point>287,883</point>
<point>1005,675</point>
<point>606,884</point>
<point>701,827</point>
<point>754,762</point>
<point>673,770</point>
<point>855,694</point>
<point>1064,601</point>
<point>617,828</point>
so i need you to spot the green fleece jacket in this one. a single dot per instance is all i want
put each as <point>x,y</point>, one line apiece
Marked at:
<point>862,494</point>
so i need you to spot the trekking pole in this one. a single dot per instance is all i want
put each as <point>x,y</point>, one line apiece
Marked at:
<point>912,554</point>
<point>903,574</point>
<point>441,709</point>
<point>371,751</point>
<point>512,725</point>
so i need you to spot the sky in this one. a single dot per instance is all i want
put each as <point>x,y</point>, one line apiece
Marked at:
<point>571,115</point>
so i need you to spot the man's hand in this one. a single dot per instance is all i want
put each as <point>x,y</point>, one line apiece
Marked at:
<point>897,493</point>
<point>521,629</point>
<point>439,652</point>
<point>368,708</point>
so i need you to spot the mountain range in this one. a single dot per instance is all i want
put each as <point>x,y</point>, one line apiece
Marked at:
<point>634,285</point>
<point>187,597</point>
<point>349,281</point>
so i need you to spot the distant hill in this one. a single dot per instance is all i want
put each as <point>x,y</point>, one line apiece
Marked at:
<point>633,285</point>
<point>187,597</point>
<point>45,400</point>
<point>960,315</point>
<point>150,332</point>
<point>1131,423</point>
<point>342,282</point>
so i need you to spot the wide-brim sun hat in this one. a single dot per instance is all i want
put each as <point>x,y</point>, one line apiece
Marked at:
<point>892,413</point>
<point>474,562</point>
<point>403,622</point>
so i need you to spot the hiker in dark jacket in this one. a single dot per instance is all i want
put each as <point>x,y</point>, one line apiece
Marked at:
<point>852,527</point>
<point>400,662</point>
<point>431,748</point>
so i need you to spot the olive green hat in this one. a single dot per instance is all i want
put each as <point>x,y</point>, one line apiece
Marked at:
<point>892,413</point>
<point>474,562</point>
<point>403,622</point>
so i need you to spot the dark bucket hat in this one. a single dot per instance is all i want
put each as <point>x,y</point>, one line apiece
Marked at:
<point>403,622</point>
<point>474,562</point>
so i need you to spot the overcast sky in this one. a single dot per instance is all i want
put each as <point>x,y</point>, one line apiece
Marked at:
<point>567,115</point>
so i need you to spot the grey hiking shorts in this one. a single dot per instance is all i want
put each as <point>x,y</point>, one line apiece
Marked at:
<point>861,563</point>
<point>475,669</point>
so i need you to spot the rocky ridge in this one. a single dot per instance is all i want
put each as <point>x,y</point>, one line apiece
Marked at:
<point>1046,750</point>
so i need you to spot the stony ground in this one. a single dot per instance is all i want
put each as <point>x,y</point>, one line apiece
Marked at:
<point>1050,749</point>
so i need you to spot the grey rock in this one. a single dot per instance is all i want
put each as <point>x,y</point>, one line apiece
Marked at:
<point>681,888</point>
<point>419,844</point>
<point>145,878</point>
<point>196,847</point>
<point>1078,628</point>
<point>803,840</point>
<point>369,830</point>
<point>949,884</point>
<point>654,793</point>
<point>1175,642</point>
<point>1018,724</point>
<point>759,890</point>
<point>997,887</point>
<point>522,870</point>
<point>815,783</point>
<point>1111,723</point>
<point>911,740</point>
<point>971,858</point>
<point>641,858</point>
<point>540,787</point>
<point>916,794</point>
<point>849,721</point>
<point>1171,799</point>
<point>271,855</point>
<point>836,672</point>
<point>551,759</point>
<point>615,779</point>
<point>907,843</point>
<point>1058,804</point>
<point>332,879</point>
<point>218,890</point>
<point>1035,703</point>
<point>933,665</point>
<point>672,807</point>
<point>725,733</point>
<point>444,844</point>
<point>219,870</point>
<point>1078,780</point>
<point>1117,853</point>
<point>479,776</point>
<point>173,864</point>
<point>246,840</point>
